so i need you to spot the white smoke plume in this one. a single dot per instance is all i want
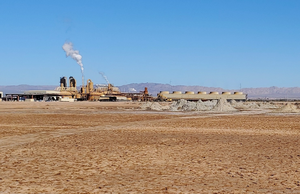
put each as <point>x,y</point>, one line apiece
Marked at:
<point>68,48</point>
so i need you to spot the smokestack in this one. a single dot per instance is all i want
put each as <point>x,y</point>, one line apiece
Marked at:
<point>68,48</point>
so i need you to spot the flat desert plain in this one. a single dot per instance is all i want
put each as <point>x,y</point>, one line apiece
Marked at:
<point>114,147</point>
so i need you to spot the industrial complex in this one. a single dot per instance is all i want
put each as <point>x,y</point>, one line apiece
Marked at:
<point>67,91</point>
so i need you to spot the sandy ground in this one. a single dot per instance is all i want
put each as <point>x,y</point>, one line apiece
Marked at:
<point>97,147</point>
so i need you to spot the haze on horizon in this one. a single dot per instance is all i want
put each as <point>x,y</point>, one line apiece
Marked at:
<point>228,44</point>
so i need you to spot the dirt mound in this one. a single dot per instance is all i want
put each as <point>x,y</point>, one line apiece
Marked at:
<point>244,105</point>
<point>252,105</point>
<point>184,105</point>
<point>216,105</point>
<point>153,106</point>
<point>189,106</point>
<point>288,108</point>
<point>177,105</point>
<point>223,106</point>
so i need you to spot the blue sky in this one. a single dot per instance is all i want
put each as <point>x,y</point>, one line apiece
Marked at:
<point>211,43</point>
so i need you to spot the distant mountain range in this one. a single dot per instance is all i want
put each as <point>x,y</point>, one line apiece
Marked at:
<point>154,88</point>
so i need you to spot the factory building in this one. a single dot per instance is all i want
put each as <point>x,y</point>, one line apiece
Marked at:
<point>42,95</point>
<point>191,96</point>
<point>34,95</point>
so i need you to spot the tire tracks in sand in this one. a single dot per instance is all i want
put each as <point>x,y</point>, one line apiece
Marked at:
<point>8,142</point>
<point>16,140</point>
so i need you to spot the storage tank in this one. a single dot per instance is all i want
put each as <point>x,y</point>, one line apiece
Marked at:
<point>214,93</point>
<point>202,92</point>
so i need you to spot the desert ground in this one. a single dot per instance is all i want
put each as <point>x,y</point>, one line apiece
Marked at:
<point>116,147</point>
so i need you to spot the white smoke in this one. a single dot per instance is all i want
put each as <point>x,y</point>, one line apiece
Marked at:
<point>68,48</point>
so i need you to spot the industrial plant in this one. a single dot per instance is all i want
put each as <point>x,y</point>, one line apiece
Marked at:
<point>67,91</point>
